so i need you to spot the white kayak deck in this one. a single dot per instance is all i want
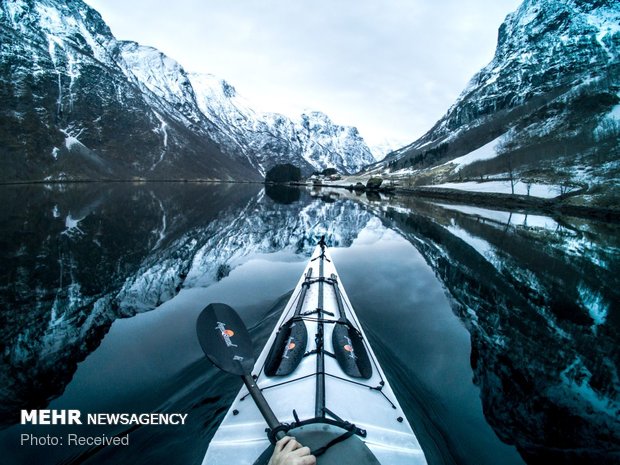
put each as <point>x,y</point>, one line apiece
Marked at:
<point>241,437</point>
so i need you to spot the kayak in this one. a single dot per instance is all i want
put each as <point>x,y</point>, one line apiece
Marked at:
<point>321,380</point>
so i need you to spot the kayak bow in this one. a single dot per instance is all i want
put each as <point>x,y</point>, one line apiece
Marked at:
<point>328,390</point>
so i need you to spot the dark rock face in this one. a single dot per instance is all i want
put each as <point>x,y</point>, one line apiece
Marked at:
<point>551,93</point>
<point>283,173</point>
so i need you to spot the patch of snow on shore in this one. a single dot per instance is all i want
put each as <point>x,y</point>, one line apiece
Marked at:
<point>546,191</point>
<point>486,152</point>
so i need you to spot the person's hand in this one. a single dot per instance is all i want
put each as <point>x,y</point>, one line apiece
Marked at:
<point>289,452</point>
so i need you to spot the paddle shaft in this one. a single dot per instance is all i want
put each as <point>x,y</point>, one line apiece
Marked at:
<point>263,406</point>
<point>304,288</point>
<point>339,303</point>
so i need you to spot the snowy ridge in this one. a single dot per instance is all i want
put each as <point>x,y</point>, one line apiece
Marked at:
<point>157,73</point>
<point>72,24</point>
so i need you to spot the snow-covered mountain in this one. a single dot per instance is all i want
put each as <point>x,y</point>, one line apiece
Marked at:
<point>78,104</point>
<point>312,142</point>
<point>69,109</point>
<point>384,147</point>
<point>548,103</point>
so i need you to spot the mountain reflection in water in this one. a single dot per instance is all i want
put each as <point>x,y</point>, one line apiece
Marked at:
<point>524,305</point>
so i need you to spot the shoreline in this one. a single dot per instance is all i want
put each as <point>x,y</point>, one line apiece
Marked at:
<point>516,202</point>
<point>132,181</point>
<point>549,206</point>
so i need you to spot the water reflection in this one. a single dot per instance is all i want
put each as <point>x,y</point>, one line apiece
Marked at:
<point>71,256</point>
<point>282,193</point>
<point>75,258</point>
<point>537,295</point>
<point>540,299</point>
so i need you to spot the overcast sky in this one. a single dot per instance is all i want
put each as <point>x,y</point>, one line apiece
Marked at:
<point>390,67</point>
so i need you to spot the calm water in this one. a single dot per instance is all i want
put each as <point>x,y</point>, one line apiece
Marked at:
<point>498,330</point>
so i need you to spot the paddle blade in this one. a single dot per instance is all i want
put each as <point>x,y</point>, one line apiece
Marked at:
<point>225,339</point>
<point>288,348</point>
<point>350,351</point>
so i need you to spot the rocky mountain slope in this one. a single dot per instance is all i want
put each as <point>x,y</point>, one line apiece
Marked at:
<point>75,103</point>
<point>546,109</point>
<point>70,111</point>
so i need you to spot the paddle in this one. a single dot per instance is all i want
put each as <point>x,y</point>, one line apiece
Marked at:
<point>348,343</point>
<point>226,342</point>
<point>291,340</point>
